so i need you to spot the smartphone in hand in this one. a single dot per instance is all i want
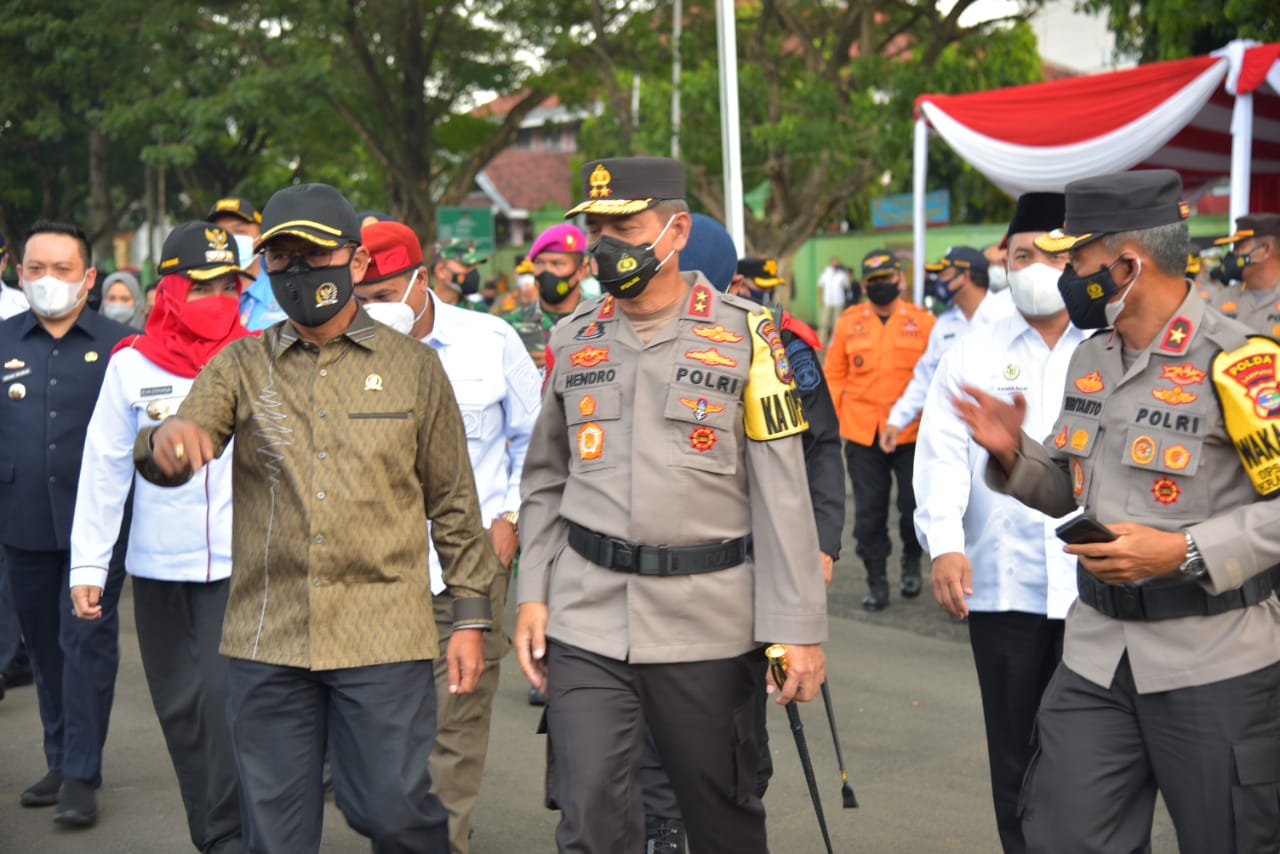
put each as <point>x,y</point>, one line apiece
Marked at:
<point>1084,529</point>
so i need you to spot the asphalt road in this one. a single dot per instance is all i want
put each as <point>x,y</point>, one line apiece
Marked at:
<point>907,707</point>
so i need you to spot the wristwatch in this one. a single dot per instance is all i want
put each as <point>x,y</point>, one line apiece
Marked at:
<point>512,518</point>
<point>1192,566</point>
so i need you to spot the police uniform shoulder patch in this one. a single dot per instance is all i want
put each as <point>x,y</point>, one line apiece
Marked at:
<point>1246,382</point>
<point>1177,335</point>
<point>700,301</point>
<point>772,407</point>
<point>804,365</point>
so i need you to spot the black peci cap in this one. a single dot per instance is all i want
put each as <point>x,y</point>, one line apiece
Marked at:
<point>1038,212</point>
<point>314,212</point>
<point>621,186</point>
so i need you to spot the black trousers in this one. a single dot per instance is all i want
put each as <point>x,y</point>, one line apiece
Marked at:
<point>656,790</point>
<point>1213,751</point>
<point>13,652</point>
<point>702,715</point>
<point>179,628</point>
<point>872,472</point>
<point>1015,654</point>
<point>379,724</point>
<point>74,661</point>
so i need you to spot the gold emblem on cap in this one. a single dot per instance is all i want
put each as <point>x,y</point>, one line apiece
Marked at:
<point>326,294</point>
<point>771,266</point>
<point>91,356</point>
<point>626,264</point>
<point>17,391</point>
<point>157,410</point>
<point>599,181</point>
<point>217,238</point>
<point>373,382</point>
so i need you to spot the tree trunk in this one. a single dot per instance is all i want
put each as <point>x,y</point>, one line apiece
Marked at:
<point>101,221</point>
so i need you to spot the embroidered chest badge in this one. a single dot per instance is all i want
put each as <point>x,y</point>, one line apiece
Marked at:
<point>1166,490</point>
<point>587,406</point>
<point>702,439</point>
<point>373,382</point>
<point>711,357</point>
<point>1090,383</point>
<point>590,441</point>
<point>701,407</point>
<point>589,357</point>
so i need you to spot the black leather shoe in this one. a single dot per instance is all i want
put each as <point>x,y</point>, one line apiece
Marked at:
<point>877,598</point>
<point>43,793</point>
<point>663,836</point>
<point>18,676</point>
<point>77,804</point>
<point>911,586</point>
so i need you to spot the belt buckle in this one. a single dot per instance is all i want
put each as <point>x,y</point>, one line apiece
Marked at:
<point>623,554</point>
<point>654,560</point>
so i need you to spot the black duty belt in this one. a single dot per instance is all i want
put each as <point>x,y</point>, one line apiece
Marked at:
<point>1140,602</point>
<point>637,559</point>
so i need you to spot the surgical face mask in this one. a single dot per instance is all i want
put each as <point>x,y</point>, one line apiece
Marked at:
<point>1034,290</point>
<point>625,270</point>
<point>553,289</point>
<point>1088,298</point>
<point>120,312</point>
<point>311,296</point>
<point>997,279</point>
<point>398,315</point>
<point>244,249</point>
<point>51,297</point>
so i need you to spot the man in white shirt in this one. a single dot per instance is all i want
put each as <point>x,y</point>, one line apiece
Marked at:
<point>499,394</point>
<point>962,280</point>
<point>834,284</point>
<point>995,560</point>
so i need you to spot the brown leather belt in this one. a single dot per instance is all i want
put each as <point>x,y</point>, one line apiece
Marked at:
<point>1140,602</point>
<point>637,559</point>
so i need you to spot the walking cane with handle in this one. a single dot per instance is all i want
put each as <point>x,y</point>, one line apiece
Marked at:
<point>777,655</point>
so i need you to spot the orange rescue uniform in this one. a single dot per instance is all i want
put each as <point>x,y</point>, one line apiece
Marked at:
<point>869,365</point>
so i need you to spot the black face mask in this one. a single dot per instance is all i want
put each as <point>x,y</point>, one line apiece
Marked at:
<point>1087,297</point>
<point>881,293</point>
<point>311,296</point>
<point>552,289</point>
<point>625,270</point>
<point>467,283</point>
<point>1233,265</point>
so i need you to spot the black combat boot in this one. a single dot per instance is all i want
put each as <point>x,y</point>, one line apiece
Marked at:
<point>878,586</point>
<point>911,583</point>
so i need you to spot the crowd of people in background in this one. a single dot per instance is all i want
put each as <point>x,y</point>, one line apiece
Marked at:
<point>319,447</point>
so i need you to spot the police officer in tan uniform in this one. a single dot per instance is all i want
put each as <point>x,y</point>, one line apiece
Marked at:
<point>655,566</point>
<point>1254,260</point>
<point>1169,679</point>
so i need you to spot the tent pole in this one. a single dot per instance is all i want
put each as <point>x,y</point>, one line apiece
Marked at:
<point>727,40</point>
<point>919,179</point>
<point>1241,155</point>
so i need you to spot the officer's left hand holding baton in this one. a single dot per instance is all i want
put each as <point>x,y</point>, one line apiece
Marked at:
<point>806,671</point>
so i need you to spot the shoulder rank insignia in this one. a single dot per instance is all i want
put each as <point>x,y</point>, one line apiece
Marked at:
<point>606,308</point>
<point>1177,335</point>
<point>700,301</point>
<point>1247,391</point>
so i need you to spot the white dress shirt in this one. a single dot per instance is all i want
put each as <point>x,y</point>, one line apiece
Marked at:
<point>946,331</point>
<point>834,282</point>
<point>177,534</point>
<point>499,394</point>
<point>1018,562</point>
<point>12,301</point>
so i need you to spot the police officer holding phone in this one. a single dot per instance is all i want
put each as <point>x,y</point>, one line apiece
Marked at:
<point>1170,668</point>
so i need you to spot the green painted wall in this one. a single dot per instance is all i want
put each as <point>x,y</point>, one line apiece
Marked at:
<point>849,248</point>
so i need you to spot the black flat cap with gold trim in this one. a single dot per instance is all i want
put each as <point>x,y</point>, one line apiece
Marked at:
<point>621,186</point>
<point>315,212</point>
<point>961,257</point>
<point>1124,201</point>
<point>237,206</point>
<point>762,271</point>
<point>1253,225</point>
<point>879,262</point>
<point>201,251</point>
